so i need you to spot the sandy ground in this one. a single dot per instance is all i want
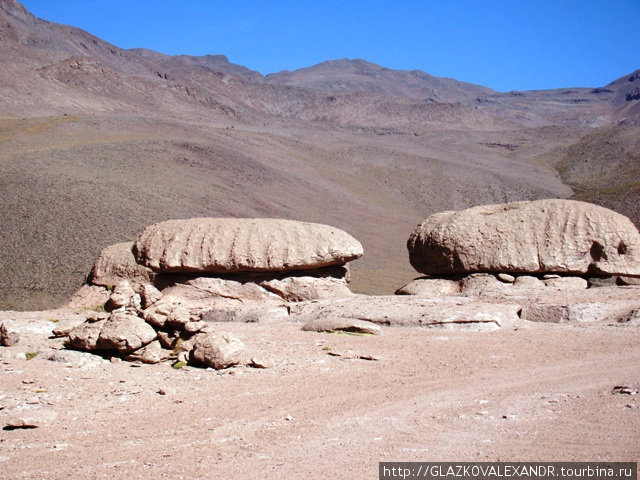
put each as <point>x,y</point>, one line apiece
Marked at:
<point>537,392</point>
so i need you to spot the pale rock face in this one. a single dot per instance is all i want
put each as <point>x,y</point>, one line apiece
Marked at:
<point>444,312</point>
<point>430,287</point>
<point>554,236</point>
<point>567,283</point>
<point>203,291</point>
<point>341,324</point>
<point>227,245</point>
<point>217,351</point>
<point>300,289</point>
<point>116,264</point>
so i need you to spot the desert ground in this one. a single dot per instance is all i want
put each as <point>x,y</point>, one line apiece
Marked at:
<point>327,405</point>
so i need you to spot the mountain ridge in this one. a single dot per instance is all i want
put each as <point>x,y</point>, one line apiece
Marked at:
<point>97,142</point>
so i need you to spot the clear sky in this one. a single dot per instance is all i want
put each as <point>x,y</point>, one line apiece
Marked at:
<point>502,44</point>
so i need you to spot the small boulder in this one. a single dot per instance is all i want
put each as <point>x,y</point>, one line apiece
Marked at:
<point>8,336</point>
<point>168,313</point>
<point>85,336</point>
<point>430,287</point>
<point>123,296</point>
<point>151,353</point>
<point>506,278</point>
<point>29,416</point>
<point>217,351</point>
<point>149,295</point>
<point>125,333</point>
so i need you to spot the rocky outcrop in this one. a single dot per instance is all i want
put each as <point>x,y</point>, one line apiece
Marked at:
<point>299,289</point>
<point>544,236</point>
<point>116,264</point>
<point>209,271</point>
<point>228,245</point>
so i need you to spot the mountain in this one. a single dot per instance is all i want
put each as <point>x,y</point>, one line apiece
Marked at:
<point>361,76</point>
<point>98,142</point>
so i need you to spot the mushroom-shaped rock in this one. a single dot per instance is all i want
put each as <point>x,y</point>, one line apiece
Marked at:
<point>543,236</point>
<point>227,245</point>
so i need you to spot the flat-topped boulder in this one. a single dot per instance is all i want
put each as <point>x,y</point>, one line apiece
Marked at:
<point>228,245</point>
<point>543,236</point>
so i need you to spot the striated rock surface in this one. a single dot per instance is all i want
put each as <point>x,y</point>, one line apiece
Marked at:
<point>115,264</point>
<point>226,245</point>
<point>562,236</point>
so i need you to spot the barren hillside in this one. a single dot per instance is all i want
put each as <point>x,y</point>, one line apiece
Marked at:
<point>97,142</point>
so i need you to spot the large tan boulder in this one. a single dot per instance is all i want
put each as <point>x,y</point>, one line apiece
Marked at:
<point>226,245</point>
<point>561,236</point>
<point>116,264</point>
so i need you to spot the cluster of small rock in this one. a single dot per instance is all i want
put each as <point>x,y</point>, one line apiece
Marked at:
<point>173,286</point>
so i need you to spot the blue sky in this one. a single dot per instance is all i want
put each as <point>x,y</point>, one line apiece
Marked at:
<point>502,44</point>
